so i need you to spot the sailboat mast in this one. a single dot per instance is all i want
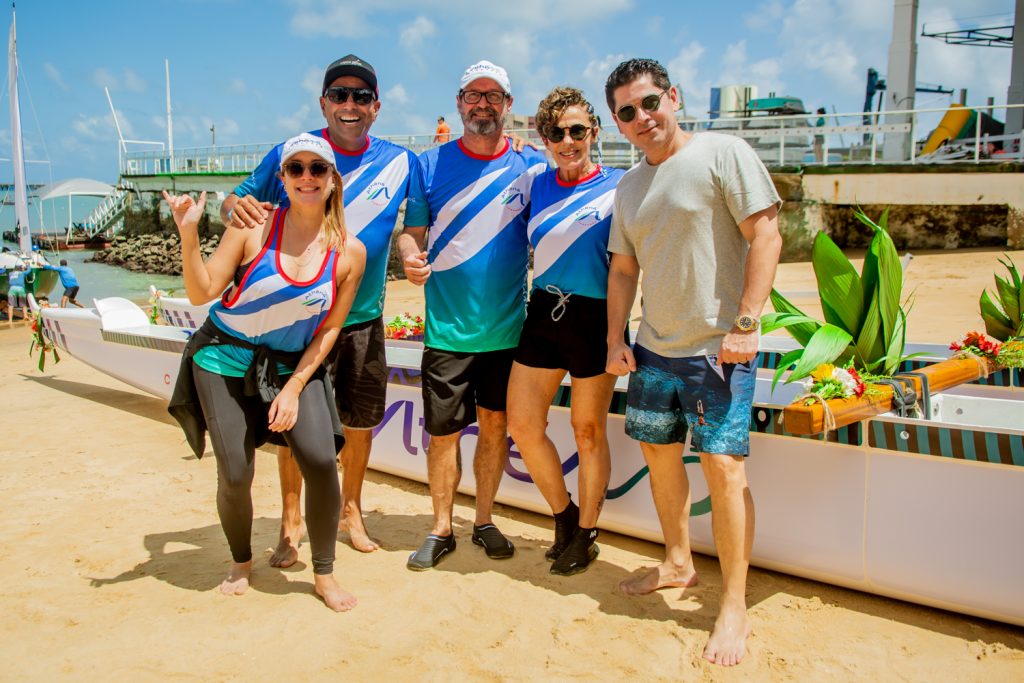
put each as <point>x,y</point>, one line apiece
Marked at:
<point>17,147</point>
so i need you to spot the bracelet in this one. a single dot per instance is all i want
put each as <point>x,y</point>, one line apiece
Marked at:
<point>231,214</point>
<point>301,381</point>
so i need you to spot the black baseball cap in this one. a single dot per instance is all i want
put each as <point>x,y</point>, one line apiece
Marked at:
<point>350,65</point>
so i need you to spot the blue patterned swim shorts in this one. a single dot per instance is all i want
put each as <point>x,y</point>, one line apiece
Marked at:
<point>667,396</point>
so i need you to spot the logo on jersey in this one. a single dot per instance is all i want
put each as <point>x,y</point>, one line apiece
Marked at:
<point>378,193</point>
<point>315,299</point>
<point>512,199</point>
<point>587,216</point>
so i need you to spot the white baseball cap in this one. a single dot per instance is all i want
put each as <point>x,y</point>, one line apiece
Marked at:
<point>307,143</point>
<point>485,69</point>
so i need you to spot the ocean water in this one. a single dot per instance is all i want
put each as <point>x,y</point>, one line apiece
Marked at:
<point>98,280</point>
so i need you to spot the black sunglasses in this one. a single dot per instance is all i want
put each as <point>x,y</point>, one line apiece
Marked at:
<point>627,112</point>
<point>296,169</point>
<point>339,95</point>
<point>577,132</point>
<point>474,96</point>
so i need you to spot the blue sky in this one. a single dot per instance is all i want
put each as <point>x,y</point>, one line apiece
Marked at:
<point>253,69</point>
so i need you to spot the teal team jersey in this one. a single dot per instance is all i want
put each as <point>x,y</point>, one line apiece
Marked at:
<point>477,246</point>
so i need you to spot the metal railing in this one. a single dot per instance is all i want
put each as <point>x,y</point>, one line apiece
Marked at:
<point>108,216</point>
<point>780,141</point>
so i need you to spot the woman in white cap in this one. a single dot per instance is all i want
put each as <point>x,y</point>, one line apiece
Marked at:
<point>253,371</point>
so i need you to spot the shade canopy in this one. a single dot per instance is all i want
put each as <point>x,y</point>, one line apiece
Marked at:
<point>74,186</point>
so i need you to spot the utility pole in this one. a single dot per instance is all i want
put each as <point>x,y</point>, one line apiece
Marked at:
<point>1015,93</point>
<point>901,77</point>
<point>213,135</point>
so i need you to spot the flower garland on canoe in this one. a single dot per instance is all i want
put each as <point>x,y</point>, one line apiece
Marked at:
<point>40,341</point>
<point>404,326</point>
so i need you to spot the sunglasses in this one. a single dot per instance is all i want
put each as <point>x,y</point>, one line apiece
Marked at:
<point>339,94</point>
<point>627,112</point>
<point>576,131</point>
<point>296,169</point>
<point>473,96</point>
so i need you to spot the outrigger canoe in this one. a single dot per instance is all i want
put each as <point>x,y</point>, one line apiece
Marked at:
<point>925,510</point>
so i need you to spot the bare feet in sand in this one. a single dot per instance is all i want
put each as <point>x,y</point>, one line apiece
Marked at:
<point>728,642</point>
<point>663,576</point>
<point>336,597</point>
<point>352,526</point>
<point>287,551</point>
<point>238,579</point>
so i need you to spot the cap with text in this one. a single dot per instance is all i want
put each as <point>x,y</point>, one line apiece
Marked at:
<point>307,143</point>
<point>485,69</point>
<point>350,65</point>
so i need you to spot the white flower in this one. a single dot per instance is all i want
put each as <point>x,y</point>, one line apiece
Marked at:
<point>846,379</point>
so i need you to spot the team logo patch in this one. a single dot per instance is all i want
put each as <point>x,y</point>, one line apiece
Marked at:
<point>587,216</point>
<point>512,199</point>
<point>378,193</point>
<point>315,299</point>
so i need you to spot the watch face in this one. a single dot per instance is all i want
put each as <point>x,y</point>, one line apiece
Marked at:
<point>746,323</point>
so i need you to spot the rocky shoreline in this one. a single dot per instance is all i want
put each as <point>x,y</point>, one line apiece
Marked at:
<point>158,254</point>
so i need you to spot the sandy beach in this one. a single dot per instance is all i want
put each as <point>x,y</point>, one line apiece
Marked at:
<point>113,552</point>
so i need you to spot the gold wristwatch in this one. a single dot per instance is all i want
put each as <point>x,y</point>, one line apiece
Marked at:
<point>747,323</point>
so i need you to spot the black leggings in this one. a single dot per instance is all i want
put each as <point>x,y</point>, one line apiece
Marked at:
<point>234,420</point>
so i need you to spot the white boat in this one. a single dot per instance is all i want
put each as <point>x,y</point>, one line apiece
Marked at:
<point>928,511</point>
<point>178,311</point>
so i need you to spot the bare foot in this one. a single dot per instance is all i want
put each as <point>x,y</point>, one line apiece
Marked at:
<point>353,526</point>
<point>287,551</point>
<point>238,579</point>
<point>663,576</point>
<point>728,642</point>
<point>336,597</point>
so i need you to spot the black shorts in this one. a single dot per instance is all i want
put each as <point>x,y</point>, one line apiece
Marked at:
<point>576,342</point>
<point>455,383</point>
<point>360,370</point>
<point>71,292</point>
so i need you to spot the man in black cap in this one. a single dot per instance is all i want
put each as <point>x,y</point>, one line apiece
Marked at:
<point>377,177</point>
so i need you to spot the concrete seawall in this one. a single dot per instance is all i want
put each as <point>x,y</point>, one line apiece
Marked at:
<point>931,207</point>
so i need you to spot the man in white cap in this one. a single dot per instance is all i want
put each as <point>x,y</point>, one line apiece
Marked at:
<point>472,260</point>
<point>377,177</point>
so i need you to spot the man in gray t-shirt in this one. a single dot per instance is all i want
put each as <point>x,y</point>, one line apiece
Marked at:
<point>699,218</point>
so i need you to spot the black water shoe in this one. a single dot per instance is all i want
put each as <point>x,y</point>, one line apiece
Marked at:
<point>566,523</point>
<point>430,553</point>
<point>577,557</point>
<point>493,541</point>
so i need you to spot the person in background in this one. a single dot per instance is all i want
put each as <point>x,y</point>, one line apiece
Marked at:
<point>17,297</point>
<point>566,325</point>
<point>254,365</point>
<point>68,281</point>
<point>443,132</point>
<point>819,140</point>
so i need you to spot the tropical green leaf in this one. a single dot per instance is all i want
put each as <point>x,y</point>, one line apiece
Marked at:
<point>997,325</point>
<point>1013,271</point>
<point>777,321</point>
<point>890,283</point>
<point>838,284</point>
<point>869,347</point>
<point>801,333</point>
<point>785,363</point>
<point>824,347</point>
<point>1008,299</point>
<point>894,352</point>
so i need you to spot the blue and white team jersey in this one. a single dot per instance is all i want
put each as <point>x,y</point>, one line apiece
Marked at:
<point>568,230</point>
<point>476,246</point>
<point>268,308</point>
<point>375,180</point>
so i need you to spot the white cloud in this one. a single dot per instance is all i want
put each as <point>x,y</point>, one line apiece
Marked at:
<point>238,87</point>
<point>133,82</point>
<point>332,18</point>
<point>129,80</point>
<point>102,127</point>
<point>765,16</point>
<point>54,75</point>
<point>684,71</point>
<point>396,96</point>
<point>414,34</point>
<point>313,81</point>
<point>297,121</point>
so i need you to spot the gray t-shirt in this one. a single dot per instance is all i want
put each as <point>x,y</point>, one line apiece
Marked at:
<point>680,219</point>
